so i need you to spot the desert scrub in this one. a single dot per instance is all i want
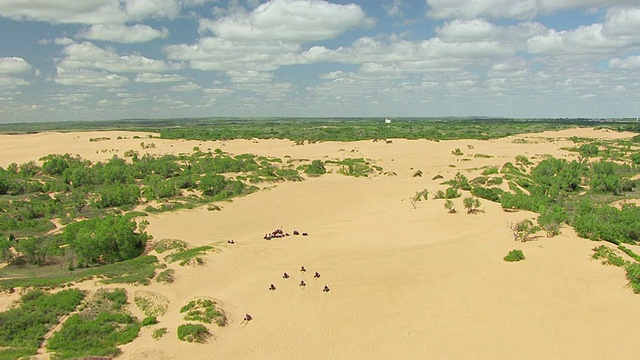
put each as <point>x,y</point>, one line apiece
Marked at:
<point>189,256</point>
<point>483,156</point>
<point>24,327</point>
<point>193,333</point>
<point>135,271</point>
<point>633,275</point>
<point>170,244</point>
<point>149,320</point>
<point>204,310</point>
<point>159,333</point>
<point>608,256</point>
<point>629,252</point>
<point>356,167</point>
<point>166,276</point>
<point>419,195</point>
<point>514,255</point>
<point>104,325</point>
<point>151,303</point>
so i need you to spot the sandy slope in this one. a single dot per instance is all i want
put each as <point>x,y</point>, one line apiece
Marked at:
<point>405,283</point>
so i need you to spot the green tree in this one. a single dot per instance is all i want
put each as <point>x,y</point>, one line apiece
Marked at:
<point>523,230</point>
<point>450,207</point>
<point>212,184</point>
<point>5,249</point>
<point>34,249</point>
<point>108,239</point>
<point>117,195</point>
<point>587,150</point>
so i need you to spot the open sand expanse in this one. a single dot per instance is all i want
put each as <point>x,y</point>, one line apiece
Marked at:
<point>405,282</point>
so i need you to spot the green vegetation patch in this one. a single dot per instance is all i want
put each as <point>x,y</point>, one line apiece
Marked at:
<point>608,256</point>
<point>101,333</point>
<point>189,256</point>
<point>204,310</point>
<point>24,327</point>
<point>629,252</point>
<point>103,325</point>
<point>633,275</point>
<point>193,333</point>
<point>135,271</point>
<point>170,244</point>
<point>151,303</point>
<point>166,276</point>
<point>357,167</point>
<point>159,333</point>
<point>514,255</point>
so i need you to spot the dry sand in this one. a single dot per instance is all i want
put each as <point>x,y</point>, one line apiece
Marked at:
<point>405,283</point>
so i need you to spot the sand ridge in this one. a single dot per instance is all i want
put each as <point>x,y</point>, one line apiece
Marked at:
<point>405,283</point>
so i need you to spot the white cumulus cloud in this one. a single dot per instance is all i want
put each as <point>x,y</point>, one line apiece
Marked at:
<point>91,78</point>
<point>93,11</point>
<point>155,78</point>
<point>630,63</point>
<point>290,20</point>
<point>515,9</point>
<point>123,34</point>
<point>7,81</point>
<point>13,65</point>
<point>89,56</point>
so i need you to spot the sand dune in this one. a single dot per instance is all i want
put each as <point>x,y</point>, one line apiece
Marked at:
<point>405,283</point>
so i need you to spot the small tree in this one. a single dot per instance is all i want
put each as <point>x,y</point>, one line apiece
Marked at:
<point>450,207</point>
<point>424,194</point>
<point>522,230</point>
<point>472,205</point>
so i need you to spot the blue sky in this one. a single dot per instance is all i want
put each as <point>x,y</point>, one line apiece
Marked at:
<point>114,59</point>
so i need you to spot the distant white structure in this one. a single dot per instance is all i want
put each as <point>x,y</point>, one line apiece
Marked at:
<point>387,121</point>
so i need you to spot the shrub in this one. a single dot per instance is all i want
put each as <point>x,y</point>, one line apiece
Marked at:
<point>472,205</point>
<point>451,193</point>
<point>315,168</point>
<point>166,276</point>
<point>189,256</point>
<point>151,304</point>
<point>103,326</point>
<point>608,256</point>
<point>457,152</point>
<point>424,194</point>
<point>24,327</point>
<point>149,320</point>
<point>204,310</point>
<point>158,333</point>
<point>491,194</point>
<point>514,255</point>
<point>633,275</point>
<point>629,252</point>
<point>448,205</point>
<point>193,333</point>
<point>170,244</point>
<point>490,170</point>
